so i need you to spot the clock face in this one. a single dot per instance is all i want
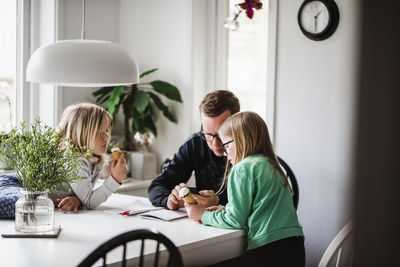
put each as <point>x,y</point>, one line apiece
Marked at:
<point>314,17</point>
<point>318,19</point>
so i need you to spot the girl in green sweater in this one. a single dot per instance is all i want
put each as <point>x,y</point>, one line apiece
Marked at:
<point>259,197</point>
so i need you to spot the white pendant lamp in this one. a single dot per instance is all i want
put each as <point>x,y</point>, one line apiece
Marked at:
<point>82,63</point>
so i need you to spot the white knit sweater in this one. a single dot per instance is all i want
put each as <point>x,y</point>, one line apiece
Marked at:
<point>84,189</point>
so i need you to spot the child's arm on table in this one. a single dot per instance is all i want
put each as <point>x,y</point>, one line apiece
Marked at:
<point>92,197</point>
<point>237,210</point>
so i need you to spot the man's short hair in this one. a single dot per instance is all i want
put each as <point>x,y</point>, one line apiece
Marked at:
<point>217,102</point>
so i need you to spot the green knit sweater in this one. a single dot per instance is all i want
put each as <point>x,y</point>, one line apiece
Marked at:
<point>258,203</point>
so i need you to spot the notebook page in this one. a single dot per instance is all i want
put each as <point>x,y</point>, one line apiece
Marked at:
<point>165,215</point>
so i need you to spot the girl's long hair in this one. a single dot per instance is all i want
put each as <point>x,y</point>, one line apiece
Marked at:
<point>81,124</point>
<point>250,136</point>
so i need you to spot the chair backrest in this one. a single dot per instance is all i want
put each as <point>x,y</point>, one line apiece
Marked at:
<point>336,248</point>
<point>292,180</point>
<point>174,257</point>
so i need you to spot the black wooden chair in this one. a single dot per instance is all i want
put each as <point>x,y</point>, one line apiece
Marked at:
<point>292,180</point>
<point>174,257</point>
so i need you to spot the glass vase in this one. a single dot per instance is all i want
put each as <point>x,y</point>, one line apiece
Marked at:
<point>34,212</point>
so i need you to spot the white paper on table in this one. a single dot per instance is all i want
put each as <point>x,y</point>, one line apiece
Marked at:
<point>136,207</point>
<point>165,215</point>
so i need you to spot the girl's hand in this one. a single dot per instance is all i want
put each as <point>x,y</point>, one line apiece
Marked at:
<point>69,203</point>
<point>195,211</point>
<point>214,208</point>
<point>119,170</point>
<point>206,198</point>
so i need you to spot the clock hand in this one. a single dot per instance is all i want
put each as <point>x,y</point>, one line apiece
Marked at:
<point>315,24</point>
<point>315,20</point>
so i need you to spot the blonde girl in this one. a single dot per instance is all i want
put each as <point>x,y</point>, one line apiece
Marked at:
<point>259,197</point>
<point>88,126</point>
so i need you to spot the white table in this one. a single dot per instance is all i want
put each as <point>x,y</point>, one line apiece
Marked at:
<point>81,233</point>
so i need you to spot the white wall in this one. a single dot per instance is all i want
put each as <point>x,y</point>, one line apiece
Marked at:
<point>315,110</point>
<point>159,35</point>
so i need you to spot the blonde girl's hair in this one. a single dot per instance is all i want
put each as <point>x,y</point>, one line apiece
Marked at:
<point>250,136</point>
<point>81,124</point>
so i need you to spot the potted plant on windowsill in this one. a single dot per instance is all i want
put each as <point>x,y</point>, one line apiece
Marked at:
<point>140,103</point>
<point>42,162</point>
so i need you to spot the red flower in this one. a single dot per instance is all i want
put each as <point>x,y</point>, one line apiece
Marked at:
<point>248,5</point>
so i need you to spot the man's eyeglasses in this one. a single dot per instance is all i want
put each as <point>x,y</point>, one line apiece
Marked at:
<point>209,137</point>
<point>224,144</point>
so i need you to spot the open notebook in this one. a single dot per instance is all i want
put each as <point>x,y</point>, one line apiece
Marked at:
<point>164,215</point>
<point>136,207</point>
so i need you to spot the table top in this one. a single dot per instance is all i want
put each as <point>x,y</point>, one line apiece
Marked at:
<point>83,232</point>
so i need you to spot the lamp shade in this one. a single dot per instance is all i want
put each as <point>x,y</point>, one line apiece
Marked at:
<point>82,63</point>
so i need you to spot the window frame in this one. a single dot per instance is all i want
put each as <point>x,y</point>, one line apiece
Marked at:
<point>21,96</point>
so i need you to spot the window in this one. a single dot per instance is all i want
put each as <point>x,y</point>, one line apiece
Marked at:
<point>8,38</point>
<point>242,61</point>
<point>247,59</point>
<point>25,26</point>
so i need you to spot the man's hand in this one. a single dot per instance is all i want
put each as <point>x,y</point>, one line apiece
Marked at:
<point>174,202</point>
<point>69,203</point>
<point>206,198</point>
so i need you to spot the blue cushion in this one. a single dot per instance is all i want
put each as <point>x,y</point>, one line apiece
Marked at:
<point>10,191</point>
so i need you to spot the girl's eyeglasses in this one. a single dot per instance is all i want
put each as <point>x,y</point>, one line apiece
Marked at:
<point>225,144</point>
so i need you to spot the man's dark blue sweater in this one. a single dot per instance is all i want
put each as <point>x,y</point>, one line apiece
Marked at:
<point>193,155</point>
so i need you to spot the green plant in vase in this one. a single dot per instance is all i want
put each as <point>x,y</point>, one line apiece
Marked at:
<point>140,103</point>
<point>42,162</point>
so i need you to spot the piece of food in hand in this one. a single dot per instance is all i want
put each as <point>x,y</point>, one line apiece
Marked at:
<point>186,195</point>
<point>116,153</point>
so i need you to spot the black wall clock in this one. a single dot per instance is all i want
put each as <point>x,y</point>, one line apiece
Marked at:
<point>318,19</point>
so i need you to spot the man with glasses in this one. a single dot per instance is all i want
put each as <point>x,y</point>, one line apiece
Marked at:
<point>201,153</point>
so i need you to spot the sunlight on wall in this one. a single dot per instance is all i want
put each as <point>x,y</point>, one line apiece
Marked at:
<point>247,60</point>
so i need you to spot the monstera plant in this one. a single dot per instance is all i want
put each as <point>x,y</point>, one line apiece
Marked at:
<point>140,103</point>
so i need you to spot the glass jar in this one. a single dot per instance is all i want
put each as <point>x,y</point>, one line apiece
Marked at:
<point>34,212</point>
